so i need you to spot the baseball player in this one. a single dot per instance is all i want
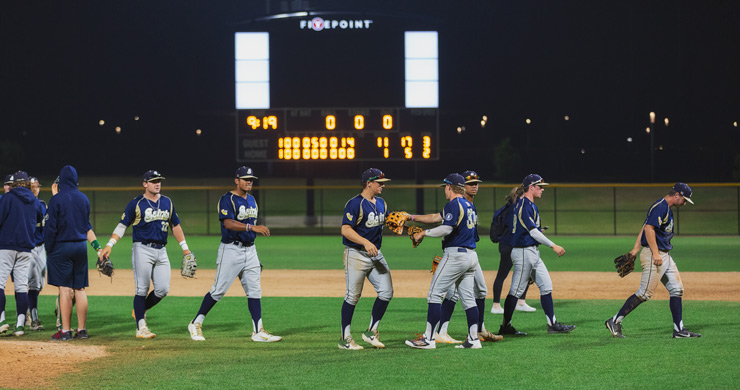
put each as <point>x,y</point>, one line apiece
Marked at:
<point>151,215</point>
<point>458,265</point>
<point>7,183</point>
<point>37,270</point>
<point>237,256</point>
<point>657,263</point>
<point>525,257</point>
<point>362,236</point>
<point>20,212</point>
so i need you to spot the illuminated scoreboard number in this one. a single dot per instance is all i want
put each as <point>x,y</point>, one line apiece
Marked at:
<point>407,144</point>
<point>358,122</point>
<point>262,122</point>
<point>316,148</point>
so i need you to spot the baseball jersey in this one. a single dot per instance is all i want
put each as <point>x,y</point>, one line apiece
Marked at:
<point>462,216</point>
<point>68,212</point>
<point>20,211</point>
<point>150,220</point>
<point>526,216</point>
<point>244,210</point>
<point>366,219</point>
<point>39,236</point>
<point>660,216</point>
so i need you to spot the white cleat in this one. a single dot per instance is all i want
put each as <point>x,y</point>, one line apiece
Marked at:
<point>468,345</point>
<point>349,344</point>
<point>263,337</point>
<point>445,338</point>
<point>371,337</point>
<point>525,308</point>
<point>497,310</point>
<point>422,343</point>
<point>196,331</point>
<point>144,333</point>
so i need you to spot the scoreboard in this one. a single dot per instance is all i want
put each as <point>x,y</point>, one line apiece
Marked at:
<point>335,134</point>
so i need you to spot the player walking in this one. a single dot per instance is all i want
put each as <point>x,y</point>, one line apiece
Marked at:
<point>458,265</point>
<point>237,256</point>
<point>20,212</point>
<point>151,215</point>
<point>525,257</point>
<point>362,236</point>
<point>37,270</point>
<point>657,263</point>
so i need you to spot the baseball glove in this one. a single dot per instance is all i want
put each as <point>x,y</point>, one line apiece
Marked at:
<point>624,264</point>
<point>105,267</point>
<point>435,263</point>
<point>395,221</point>
<point>413,230</point>
<point>189,265</point>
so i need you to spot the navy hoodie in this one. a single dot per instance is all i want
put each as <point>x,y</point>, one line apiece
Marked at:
<point>68,215</point>
<point>20,212</point>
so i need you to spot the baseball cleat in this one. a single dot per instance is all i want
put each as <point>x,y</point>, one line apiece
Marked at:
<point>349,344</point>
<point>684,333</point>
<point>28,318</point>
<point>264,337</point>
<point>196,331</point>
<point>81,334</point>
<point>445,338</point>
<point>19,331</point>
<point>615,328</point>
<point>4,327</point>
<point>525,308</point>
<point>486,335</point>
<point>36,325</point>
<point>422,343</point>
<point>559,328</point>
<point>62,336</point>
<point>144,333</point>
<point>371,337</point>
<point>509,329</point>
<point>497,310</point>
<point>470,345</point>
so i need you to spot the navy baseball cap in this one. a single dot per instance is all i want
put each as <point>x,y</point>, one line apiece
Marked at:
<point>245,173</point>
<point>33,179</point>
<point>471,177</point>
<point>19,176</point>
<point>684,190</point>
<point>152,175</point>
<point>454,179</point>
<point>533,179</point>
<point>374,174</point>
<point>8,179</point>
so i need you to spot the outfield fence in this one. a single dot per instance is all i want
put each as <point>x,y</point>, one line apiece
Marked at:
<point>578,209</point>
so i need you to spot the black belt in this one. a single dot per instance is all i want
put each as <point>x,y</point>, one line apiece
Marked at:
<point>154,245</point>
<point>240,244</point>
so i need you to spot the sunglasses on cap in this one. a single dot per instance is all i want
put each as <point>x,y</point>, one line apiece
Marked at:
<point>472,176</point>
<point>381,176</point>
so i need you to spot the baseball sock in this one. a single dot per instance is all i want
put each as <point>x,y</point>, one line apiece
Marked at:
<point>509,306</point>
<point>434,313</point>
<point>205,307</point>
<point>255,310</point>
<point>139,308</point>
<point>2,304</point>
<point>377,314</point>
<point>481,304</point>
<point>151,300</point>
<point>21,304</point>
<point>347,312</point>
<point>33,303</point>
<point>676,311</point>
<point>630,304</point>
<point>548,308</point>
<point>448,307</point>
<point>472,315</point>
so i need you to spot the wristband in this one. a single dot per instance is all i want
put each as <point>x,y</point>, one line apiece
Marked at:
<point>96,245</point>
<point>111,242</point>
<point>412,217</point>
<point>183,245</point>
<point>249,227</point>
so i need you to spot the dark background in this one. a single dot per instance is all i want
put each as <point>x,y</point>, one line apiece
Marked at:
<point>605,65</point>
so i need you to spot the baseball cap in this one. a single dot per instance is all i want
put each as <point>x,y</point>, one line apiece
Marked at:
<point>684,190</point>
<point>8,179</point>
<point>245,173</point>
<point>374,174</point>
<point>454,179</point>
<point>152,175</point>
<point>34,179</point>
<point>471,177</point>
<point>533,179</point>
<point>19,176</point>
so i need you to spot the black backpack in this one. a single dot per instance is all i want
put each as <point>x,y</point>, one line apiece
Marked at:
<point>498,224</point>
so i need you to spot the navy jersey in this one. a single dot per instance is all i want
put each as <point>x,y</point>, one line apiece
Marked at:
<point>68,212</point>
<point>525,217</point>
<point>366,218</point>
<point>39,236</point>
<point>462,216</point>
<point>660,216</point>
<point>20,211</point>
<point>232,206</point>
<point>151,220</point>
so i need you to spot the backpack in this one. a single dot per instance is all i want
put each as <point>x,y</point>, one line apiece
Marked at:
<point>498,224</point>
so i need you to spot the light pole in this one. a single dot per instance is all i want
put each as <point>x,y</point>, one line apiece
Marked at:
<point>652,147</point>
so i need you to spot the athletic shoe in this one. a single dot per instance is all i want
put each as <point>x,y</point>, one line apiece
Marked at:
<point>486,335</point>
<point>62,336</point>
<point>36,325</point>
<point>525,308</point>
<point>684,333</point>
<point>497,310</point>
<point>371,337</point>
<point>196,331</point>
<point>467,344</point>
<point>349,344</point>
<point>28,318</point>
<point>422,343</point>
<point>559,328</point>
<point>509,329</point>
<point>615,328</point>
<point>445,338</point>
<point>19,331</point>
<point>264,337</point>
<point>144,333</point>
<point>81,334</point>
<point>4,327</point>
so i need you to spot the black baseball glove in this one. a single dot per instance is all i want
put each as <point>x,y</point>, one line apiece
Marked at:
<point>624,264</point>
<point>105,267</point>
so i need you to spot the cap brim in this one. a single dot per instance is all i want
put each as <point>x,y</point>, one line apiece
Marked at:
<point>473,181</point>
<point>154,178</point>
<point>688,199</point>
<point>248,177</point>
<point>382,180</point>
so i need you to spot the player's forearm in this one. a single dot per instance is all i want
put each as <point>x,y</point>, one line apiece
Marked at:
<point>649,232</point>
<point>352,235</point>
<point>236,226</point>
<point>439,231</point>
<point>425,218</point>
<point>638,241</point>
<point>539,237</point>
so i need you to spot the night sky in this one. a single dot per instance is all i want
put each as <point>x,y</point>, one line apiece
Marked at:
<point>605,65</point>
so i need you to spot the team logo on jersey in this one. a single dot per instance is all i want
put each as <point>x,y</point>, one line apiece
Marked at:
<point>224,212</point>
<point>374,220</point>
<point>245,212</point>
<point>349,216</point>
<point>669,227</point>
<point>156,215</point>
<point>448,217</point>
<point>123,216</point>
